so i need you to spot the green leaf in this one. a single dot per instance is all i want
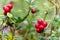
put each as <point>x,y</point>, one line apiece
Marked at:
<point>54,23</point>
<point>42,38</point>
<point>9,15</point>
<point>18,19</point>
<point>32,1</point>
<point>27,1</point>
<point>37,10</point>
<point>57,18</point>
<point>53,38</point>
<point>9,24</point>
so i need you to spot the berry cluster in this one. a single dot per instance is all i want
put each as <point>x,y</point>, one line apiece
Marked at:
<point>7,8</point>
<point>33,10</point>
<point>40,26</point>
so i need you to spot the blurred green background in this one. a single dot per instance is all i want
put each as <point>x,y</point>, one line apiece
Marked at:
<point>21,8</point>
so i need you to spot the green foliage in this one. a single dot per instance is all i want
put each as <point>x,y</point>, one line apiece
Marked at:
<point>44,10</point>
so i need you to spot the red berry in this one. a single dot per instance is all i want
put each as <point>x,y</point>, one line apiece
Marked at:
<point>10,10</point>
<point>6,9</point>
<point>5,13</point>
<point>41,27</point>
<point>33,10</point>
<point>10,6</point>
<point>37,25</point>
<point>44,24</point>
<point>38,30</point>
<point>40,21</point>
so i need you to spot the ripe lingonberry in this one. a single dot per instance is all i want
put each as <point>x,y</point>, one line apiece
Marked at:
<point>10,6</point>
<point>5,13</point>
<point>38,30</point>
<point>6,9</point>
<point>33,10</point>
<point>37,25</point>
<point>44,24</point>
<point>40,21</point>
<point>41,27</point>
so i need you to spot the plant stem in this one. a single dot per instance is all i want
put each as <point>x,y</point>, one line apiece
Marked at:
<point>1,25</point>
<point>28,12</point>
<point>25,36</point>
<point>56,7</point>
<point>11,1</point>
<point>50,1</point>
<point>26,15</point>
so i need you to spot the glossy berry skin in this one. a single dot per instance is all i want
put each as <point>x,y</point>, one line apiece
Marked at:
<point>10,6</point>
<point>33,10</point>
<point>6,9</point>
<point>38,30</point>
<point>40,21</point>
<point>37,25</point>
<point>41,27</point>
<point>44,24</point>
<point>5,13</point>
